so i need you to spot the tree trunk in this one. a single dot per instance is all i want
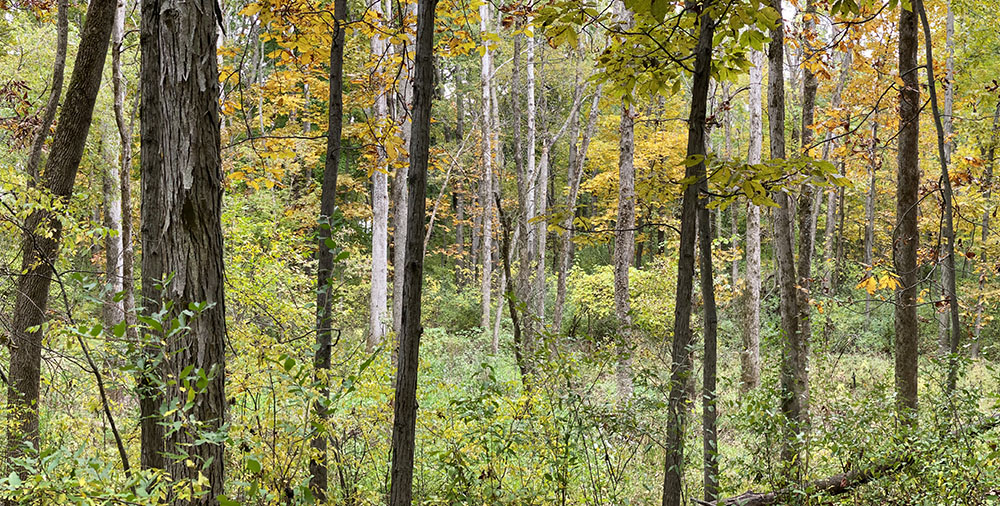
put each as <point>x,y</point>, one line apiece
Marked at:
<point>399,190</point>
<point>680,367</point>
<point>566,228</point>
<point>324,282</point>
<point>186,208</point>
<point>944,156</point>
<point>49,114</point>
<point>906,234</point>
<point>153,221</point>
<point>380,208</point>
<point>486,183</point>
<point>792,394</point>
<point>873,163</point>
<point>405,401</point>
<point>43,229</point>
<point>125,174</point>
<point>750,355</point>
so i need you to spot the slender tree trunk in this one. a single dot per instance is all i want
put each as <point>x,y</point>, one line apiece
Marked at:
<point>380,207</point>
<point>566,228</point>
<point>405,401</point>
<point>58,71</point>
<point>906,234</point>
<point>399,190</point>
<point>486,183</point>
<point>944,155</point>
<point>43,229</point>
<point>680,366</point>
<point>750,356</point>
<point>988,182</point>
<point>324,289</point>
<point>624,236</point>
<point>125,130</point>
<point>791,389</point>
<point>113,310</point>
<point>710,436</point>
<point>873,163</point>
<point>187,204</point>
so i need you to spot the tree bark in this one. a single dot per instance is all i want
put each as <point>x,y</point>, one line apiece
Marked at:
<point>792,390</point>
<point>380,206</point>
<point>43,229</point>
<point>403,116</point>
<point>188,206</point>
<point>486,182</point>
<point>750,355</point>
<point>906,234</point>
<point>680,366</point>
<point>405,402</point>
<point>153,221</point>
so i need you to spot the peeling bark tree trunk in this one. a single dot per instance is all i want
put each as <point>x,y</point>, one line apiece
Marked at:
<point>380,207</point>
<point>405,402</point>
<point>187,207</point>
<point>43,229</point>
<point>58,71</point>
<point>905,234</point>
<point>680,366</point>
<point>324,289</point>
<point>750,355</point>
<point>399,190</point>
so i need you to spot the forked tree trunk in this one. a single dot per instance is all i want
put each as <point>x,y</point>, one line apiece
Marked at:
<point>405,401</point>
<point>43,229</point>
<point>680,353</point>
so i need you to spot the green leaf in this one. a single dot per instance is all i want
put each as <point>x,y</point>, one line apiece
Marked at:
<point>225,501</point>
<point>659,9</point>
<point>253,465</point>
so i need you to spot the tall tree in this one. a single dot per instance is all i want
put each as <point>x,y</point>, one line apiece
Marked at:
<point>905,235</point>
<point>43,229</point>
<point>792,362</point>
<point>486,183</point>
<point>380,200</point>
<point>944,156</point>
<point>185,205</point>
<point>750,356</point>
<point>680,368</point>
<point>324,281</point>
<point>405,403</point>
<point>403,116</point>
<point>624,234</point>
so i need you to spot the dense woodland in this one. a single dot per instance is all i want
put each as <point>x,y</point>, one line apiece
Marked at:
<point>549,252</point>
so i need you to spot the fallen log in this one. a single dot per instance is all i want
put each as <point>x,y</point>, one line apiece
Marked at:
<point>843,482</point>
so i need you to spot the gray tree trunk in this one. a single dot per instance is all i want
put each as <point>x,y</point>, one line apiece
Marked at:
<point>49,113</point>
<point>184,207</point>
<point>750,355</point>
<point>380,210</point>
